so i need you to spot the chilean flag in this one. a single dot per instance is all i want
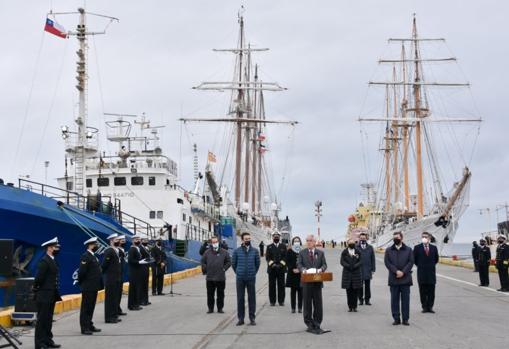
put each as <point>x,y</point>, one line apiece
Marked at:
<point>55,28</point>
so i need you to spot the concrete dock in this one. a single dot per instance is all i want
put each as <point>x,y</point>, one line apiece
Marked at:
<point>467,316</point>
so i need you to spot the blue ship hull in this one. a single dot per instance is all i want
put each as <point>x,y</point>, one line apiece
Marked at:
<point>30,219</point>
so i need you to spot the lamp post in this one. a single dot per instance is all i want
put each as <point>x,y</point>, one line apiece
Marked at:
<point>46,165</point>
<point>318,214</point>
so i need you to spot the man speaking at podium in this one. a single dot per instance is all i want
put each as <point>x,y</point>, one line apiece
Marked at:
<point>312,260</point>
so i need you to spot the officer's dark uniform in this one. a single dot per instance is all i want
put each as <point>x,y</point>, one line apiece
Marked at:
<point>158,270</point>
<point>145,254</point>
<point>502,263</point>
<point>89,279</point>
<point>135,278</point>
<point>484,265</point>
<point>121,255</point>
<point>46,295</point>
<point>276,268</point>
<point>112,271</point>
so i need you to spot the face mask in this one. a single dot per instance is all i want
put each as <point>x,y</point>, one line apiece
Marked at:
<point>116,244</point>
<point>144,243</point>
<point>296,247</point>
<point>482,243</point>
<point>122,244</point>
<point>137,243</point>
<point>55,252</point>
<point>351,245</point>
<point>95,248</point>
<point>247,243</point>
<point>397,241</point>
<point>425,240</point>
<point>363,242</point>
<point>500,241</point>
<point>276,240</point>
<point>215,245</point>
<point>158,243</point>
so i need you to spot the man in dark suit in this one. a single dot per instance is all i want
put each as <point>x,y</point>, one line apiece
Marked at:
<point>312,258</point>
<point>145,254</point>
<point>136,274</point>
<point>89,279</point>
<point>46,295</point>
<point>112,272</point>
<point>276,268</point>
<point>399,260</point>
<point>502,263</point>
<point>425,258</point>
<point>121,255</point>
<point>475,255</point>
<point>158,267</point>
<point>484,263</point>
<point>367,269</point>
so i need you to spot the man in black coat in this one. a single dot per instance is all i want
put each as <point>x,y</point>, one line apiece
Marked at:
<point>425,258</point>
<point>89,279</point>
<point>158,267</point>
<point>312,258</point>
<point>121,255</point>
<point>276,268</point>
<point>502,263</point>
<point>484,263</point>
<point>399,260</point>
<point>475,255</point>
<point>214,263</point>
<point>367,269</point>
<point>145,254</point>
<point>136,274</point>
<point>351,279</point>
<point>112,272</point>
<point>45,288</point>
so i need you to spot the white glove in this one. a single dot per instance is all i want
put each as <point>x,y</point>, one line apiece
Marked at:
<point>144,261</point>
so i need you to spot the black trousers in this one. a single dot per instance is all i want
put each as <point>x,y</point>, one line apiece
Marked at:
<point>504,277</point>
<point>400,302</point>
<point>88,300</point>
<point>242,285</point>
<point>484,274</point>
<point>111,301</point>
<point>144,286</point>
<point>427,293</point>
<point>276,280</point>
<point>212,286</point>
<point>296,292</point>
<point>43,335</point>
<point>157,279</point>
<point>313,307</point>
<point>119,298</point>
<point>351,297</point>
<point>365,290</point>
<point>134,296</point>
<point>476,265</point>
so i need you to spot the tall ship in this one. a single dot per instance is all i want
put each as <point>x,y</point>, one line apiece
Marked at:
<point>427,134</point>
<point>252,206</point>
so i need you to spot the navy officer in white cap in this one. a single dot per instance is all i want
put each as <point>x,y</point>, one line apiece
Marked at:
<point>90,281</point>
<point>136,274</point>
<point>46,295</point>
<point>122,255</point>
<point>112,272</point>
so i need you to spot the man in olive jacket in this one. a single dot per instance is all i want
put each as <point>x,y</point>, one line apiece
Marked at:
<point>214,263</point>
<point>399,260</point>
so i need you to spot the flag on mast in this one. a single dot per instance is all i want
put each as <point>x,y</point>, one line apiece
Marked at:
<point>211,157</point>
<point>54,28</point>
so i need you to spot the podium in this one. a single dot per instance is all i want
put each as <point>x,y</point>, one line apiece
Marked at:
<point>316,277</point>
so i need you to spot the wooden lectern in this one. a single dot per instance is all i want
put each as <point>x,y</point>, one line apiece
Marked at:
<point>316,277</point>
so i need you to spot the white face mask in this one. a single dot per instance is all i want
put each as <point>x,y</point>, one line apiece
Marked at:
<point>215,245</point>
<point>296,247</point>
<point>425,240</point>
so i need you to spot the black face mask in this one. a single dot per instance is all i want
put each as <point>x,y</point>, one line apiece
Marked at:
<point>247,243</point>
<point>351,245</point>
<point>55,252</point>
<point>158,243</point>
<point>276,240</point>
<point>95,249</point>
<point>122,244</point>
<point>397,241</point>
<point>137,243</point>
<point>363,242</point>
<point>144,243</point>
<point>482,243</point>
<point>116,244</point>
<point>501,241</point>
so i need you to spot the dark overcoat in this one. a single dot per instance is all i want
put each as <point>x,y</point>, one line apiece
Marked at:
<point>351,277</point>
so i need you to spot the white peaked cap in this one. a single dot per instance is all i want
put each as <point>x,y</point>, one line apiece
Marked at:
<point>275,232</point>
<point>137,236</point>
<point>501,237</point>
<point>90,241</point>
<point>121,237</point>
<point>53,241</point>
<point>112,236</point>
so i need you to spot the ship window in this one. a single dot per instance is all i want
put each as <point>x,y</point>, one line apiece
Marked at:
<point>210,226</point>
<point>152,214</point>
<point>151,180</point>
<point>137,180</point>
<point>103,182</point>
<point>190,220</point>
<point>119,181</point>
<point>69,185</point>
<point>159,214</point>
<point>183,217</point>
<point>89,183</point>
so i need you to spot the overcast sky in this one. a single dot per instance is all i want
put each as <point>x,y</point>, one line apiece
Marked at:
<point>324,52</point>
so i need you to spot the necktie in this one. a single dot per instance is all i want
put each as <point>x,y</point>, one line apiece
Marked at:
<point>311,256</point>
<point>426,249</point>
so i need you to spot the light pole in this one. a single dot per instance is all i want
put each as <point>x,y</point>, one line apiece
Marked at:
<point>318,214</point>
<point>46,165</point>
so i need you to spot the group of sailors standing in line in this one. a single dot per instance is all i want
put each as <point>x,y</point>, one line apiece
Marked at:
<point>95,275</point>
<point>481,254</point>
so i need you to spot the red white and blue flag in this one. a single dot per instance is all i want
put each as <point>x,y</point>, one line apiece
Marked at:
<point>54,28</point>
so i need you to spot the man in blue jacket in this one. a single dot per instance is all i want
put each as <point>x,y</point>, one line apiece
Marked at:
<point>245,264</point>
<point>399,260</point>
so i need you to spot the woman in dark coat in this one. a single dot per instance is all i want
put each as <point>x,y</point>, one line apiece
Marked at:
<point>351,279</point>
<point>293,274</point>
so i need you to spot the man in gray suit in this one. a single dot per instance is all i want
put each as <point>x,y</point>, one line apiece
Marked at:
<point>311,257</point>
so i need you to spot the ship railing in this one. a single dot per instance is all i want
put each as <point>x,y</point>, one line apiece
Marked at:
<point>192,232</point>
<point>137,161</point>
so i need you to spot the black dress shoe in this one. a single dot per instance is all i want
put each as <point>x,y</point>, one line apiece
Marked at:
<point>252,323</point>
<point>300,311</point>
<point>431,311</point>
<point>112,321</point>
<point>95,329</point>
<point>87,332</point>
<point>318,331</point>
<point>361,302</point>
<point>135,308</point>
<point>424,311</point>
<point>146,303</point>
<point>161,294</point>
<point>210,311</point>
<point>272,304</point>
<point>282,304</point>
<point>310,330</point>
<point>396,322</point>
<point>52,345</point>
<point>240,323</point>
<point>220,311</point>
<point>354,310</point>
<point>367,303</point>
<point>154,294</point>
<point>350,310</point>
<point>122,314</point>
<point>405,323</point>
<point>293,311</point>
